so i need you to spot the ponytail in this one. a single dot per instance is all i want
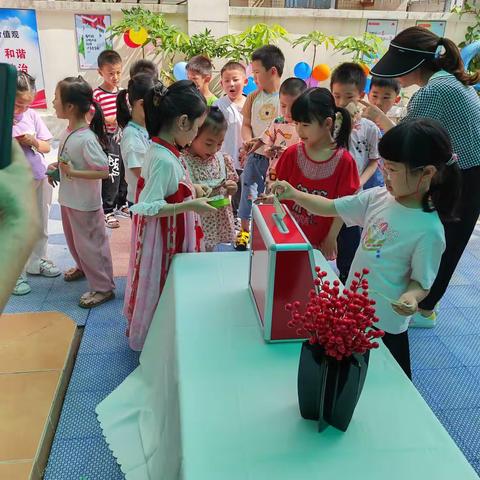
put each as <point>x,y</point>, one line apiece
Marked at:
<point>97,125</point>
<point>124,114</point>
<point>342,127</point>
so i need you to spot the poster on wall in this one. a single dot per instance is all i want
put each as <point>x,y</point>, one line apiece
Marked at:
<point>386,30</point>
<point>435,26</point>
<point>19,46</point>
<point>91,39</point>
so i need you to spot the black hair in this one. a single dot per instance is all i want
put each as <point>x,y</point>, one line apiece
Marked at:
<point>215,121</point>
<point>144,66</point>
<point>347,73</point>
<point>270,56</point>
<point>233,65</point>
<point>450,60</point>
<point>108,57</point>
<point>163,105</point>
<point>391,83</point>
<point>293,87</point>
<point>422,142</point>
<point>318,104</point>
<point>25,83</point>
<point>138,86</point>
<point>76,91</point>
<point>200,64</point>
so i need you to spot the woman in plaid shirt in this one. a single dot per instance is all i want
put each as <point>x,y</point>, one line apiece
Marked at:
<point>417,56</point>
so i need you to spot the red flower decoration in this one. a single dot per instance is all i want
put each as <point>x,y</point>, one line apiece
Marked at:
<point>340,322</point>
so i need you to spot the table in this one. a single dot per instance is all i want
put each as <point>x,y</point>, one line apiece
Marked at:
<point>211,401</point>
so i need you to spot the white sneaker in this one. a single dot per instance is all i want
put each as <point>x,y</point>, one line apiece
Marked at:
<point>22,287</point>
<point>419,321</point>
<point>46,269</point>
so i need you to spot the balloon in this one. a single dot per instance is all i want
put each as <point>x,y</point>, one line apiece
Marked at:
<point>250,87</point>
<point>312,82</point>
<point>249,70</point>
<point>302,70</point>
<point>368,84</point>
<point>321,72</point>
<point>468,53</point>
<point>138,36</point>
<point>128,40</point>
<point>180,71</point>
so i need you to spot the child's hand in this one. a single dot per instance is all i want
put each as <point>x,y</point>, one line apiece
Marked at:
<point>264,199</point>
<point>66,168</point>
<point>274,151</point>
<point>50,178</point>
<point>231,187</point>
<point>283,190</point>
<point>201,190</point>
<point>200,205</point>
<point>406,305</point>
<point>27,140</point>
<point>329,248</point>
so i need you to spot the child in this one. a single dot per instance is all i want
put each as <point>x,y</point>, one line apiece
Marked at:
<point>207,166</point>
<point>320,164</point>
<point>131,118</point>
<point>144,66</point>
<point>233,79</point>
<point>83,164</point>
<point>33,136</point>
<point>403,237</point>
<point>261,108</point>
<point>114,188</point>
<point>384,93</point>
<point>199,71</point>
<point>282,133</point>
<point>166,209</point>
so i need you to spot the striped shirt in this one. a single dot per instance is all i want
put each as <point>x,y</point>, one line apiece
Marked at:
<point>457,108</point>
<point>108,104</point>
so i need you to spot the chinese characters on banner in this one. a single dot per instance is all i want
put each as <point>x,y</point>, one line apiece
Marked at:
<point>19,46</point>
<point>386,30</point>
<point>435,26</point>
<point>91,39</point>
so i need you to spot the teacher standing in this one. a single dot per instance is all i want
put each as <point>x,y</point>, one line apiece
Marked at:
<point>417,56</point>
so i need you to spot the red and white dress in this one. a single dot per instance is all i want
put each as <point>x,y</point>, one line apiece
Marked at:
<point>156,240</point>
<point>333,178</point>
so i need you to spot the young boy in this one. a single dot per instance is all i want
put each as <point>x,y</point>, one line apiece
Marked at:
<point>144,66</point>
<point>385,94</point>
<point>114,188</point>
<point>282,132</point>
<point>261,108</point>
<point>199,71</point>
<point>233,79</point>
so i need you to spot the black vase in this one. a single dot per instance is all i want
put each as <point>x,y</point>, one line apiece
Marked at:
<point>328,389</point>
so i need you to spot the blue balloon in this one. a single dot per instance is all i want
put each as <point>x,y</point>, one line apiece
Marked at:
<point>250,87</point>
<point>468,53</point>
<point>302,70</point>
<point>368,84</point>
<point>180,71</point>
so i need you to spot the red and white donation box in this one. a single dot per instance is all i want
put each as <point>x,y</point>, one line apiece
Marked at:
<point>282,269</point>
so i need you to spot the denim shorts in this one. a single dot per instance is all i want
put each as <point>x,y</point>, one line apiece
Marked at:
<point>253,183</point>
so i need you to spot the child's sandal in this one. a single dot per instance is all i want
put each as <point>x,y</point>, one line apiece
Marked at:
<point>111,221</point>
<point>73,274</point>
<point>94,299</point>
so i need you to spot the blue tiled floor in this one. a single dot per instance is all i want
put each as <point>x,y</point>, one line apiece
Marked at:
<point>445,362</point>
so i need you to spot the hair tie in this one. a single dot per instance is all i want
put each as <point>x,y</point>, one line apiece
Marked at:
<point>440,50</point>
<point>453,160</point>
<point>337,124</point>
<point>159,91</point>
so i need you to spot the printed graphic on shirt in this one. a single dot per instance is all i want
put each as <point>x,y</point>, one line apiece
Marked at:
<point>304,217</point>
<point>377,234</point>
<point>267,112</point>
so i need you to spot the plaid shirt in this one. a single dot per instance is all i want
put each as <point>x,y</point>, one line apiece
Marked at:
<point>457,108</point>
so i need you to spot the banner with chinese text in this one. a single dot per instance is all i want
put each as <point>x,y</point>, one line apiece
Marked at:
<point>91,39</point>
<point>435,26</point>
<point>19,46</point>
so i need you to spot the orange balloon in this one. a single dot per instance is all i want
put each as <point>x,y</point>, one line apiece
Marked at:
<point>365,69</point>
<point>321,72</point>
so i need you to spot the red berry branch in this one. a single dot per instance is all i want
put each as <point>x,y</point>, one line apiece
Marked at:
<point>340,322</point>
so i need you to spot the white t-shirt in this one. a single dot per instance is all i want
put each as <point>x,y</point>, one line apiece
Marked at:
<point>398,244</point>
<point>233,137</point>
<point>133,146</point>
<point>364,143</point>
<point>83,150</point>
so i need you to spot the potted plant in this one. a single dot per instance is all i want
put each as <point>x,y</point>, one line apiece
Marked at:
<point>333,363</point>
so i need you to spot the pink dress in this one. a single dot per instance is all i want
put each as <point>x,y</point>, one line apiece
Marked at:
<point>156,240</point>
<point>218,226</point>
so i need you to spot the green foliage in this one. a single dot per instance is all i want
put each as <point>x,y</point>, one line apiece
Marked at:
<point>366,46</point>
<point>315,39</point>
<point>472,34</point>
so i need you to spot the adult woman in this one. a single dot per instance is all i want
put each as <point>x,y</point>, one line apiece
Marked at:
<point>417,56</point>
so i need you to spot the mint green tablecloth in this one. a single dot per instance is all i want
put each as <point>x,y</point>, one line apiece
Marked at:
<point>211,401</point>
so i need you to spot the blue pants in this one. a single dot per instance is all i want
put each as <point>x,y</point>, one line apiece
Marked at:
<point>253,183</point>
<point>347,244</point>
<point>376,180</point>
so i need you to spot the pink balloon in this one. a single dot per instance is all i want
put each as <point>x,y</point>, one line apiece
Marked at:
<point>249,70</point>
<point>312,82</point>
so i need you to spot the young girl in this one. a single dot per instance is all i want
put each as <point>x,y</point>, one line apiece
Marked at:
<point>321,165</point>
<point>166,208</point>
<point>34,137</point>
<point>207,166</point>
<point>131,118</point>
<point>83,164</point>
<point>403,237</point>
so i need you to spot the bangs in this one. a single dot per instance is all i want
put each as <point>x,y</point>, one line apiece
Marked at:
<point>302,109</point>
